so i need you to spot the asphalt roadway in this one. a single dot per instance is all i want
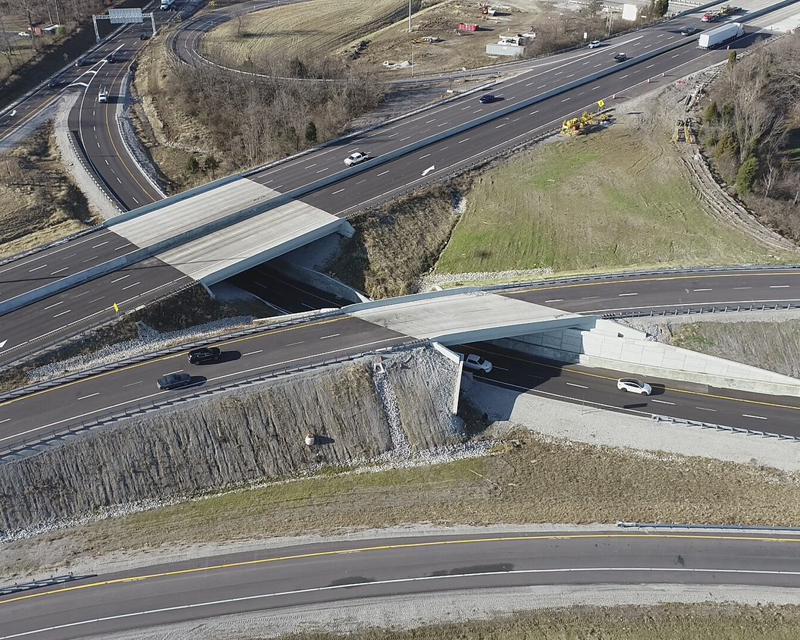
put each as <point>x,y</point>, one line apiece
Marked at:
<point>374,182</point>
<point>598,388</point>
<point>127,390</point>
<point>313,574</point>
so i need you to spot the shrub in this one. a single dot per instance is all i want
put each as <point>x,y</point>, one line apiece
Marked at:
<point>727,147</point>
<point>747,176</point>
<point>712,113</point>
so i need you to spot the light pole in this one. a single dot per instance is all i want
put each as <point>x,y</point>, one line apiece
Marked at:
<point>409,16</point>
<point>412,59</point>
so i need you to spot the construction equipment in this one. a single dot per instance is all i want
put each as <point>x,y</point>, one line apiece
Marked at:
<point>680,132</point>
<point>688,131</point>
<point>577,126</point>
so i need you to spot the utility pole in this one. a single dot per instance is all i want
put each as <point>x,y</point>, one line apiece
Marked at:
<point>409,16</point>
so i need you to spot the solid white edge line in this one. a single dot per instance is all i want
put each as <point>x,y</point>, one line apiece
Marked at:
<point>263,596</point>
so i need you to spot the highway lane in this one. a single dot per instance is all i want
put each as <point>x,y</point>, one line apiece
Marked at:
<point>124,390</point>
<point>56,317</point>
<point>40,323</point>
<point>306,575</point>
<point>284,293</point>
<point>360,188</point>
<point>668,292</point>
<point>598,387</point>
<point>60,261</point>
<point>134,386</point>
<point>94,123</point>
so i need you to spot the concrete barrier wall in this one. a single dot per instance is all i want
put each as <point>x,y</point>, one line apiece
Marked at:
<point>321,281</point>
<point>613,346</point>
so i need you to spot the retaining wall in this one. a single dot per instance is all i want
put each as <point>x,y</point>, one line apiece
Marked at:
<point>613,346</point>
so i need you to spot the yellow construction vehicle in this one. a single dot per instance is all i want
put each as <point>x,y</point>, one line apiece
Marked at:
<point>577,126</point>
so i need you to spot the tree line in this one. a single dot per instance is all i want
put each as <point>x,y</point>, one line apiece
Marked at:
<point>251,119</point>
<point>751,128</point>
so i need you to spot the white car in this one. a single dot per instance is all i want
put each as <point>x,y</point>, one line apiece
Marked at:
<point>594,44</point>
<point>24,34</point>
<point>355,158</point>
<point>477,363</point>
<point>634,386</point>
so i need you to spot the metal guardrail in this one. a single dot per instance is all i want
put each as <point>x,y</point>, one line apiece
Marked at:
<point>31,445</point>
<point>665,313</point>
<point>65,338</point>
<point>151,355</point>
<point>720,427</point>
<point>713,527</point>
<point>40,584</point>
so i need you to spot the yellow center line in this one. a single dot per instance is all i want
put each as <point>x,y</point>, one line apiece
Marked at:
<point>114,146</point>
<point>172,357</point>
<point>762,403</point>
<point>408,545</point>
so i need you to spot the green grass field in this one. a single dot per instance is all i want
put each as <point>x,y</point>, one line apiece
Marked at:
<point>602,202</point>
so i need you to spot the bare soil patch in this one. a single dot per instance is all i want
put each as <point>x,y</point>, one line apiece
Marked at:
<point>39,203</point>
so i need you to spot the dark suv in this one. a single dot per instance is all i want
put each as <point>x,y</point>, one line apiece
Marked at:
<point>621,57</point>
<point>488,98</point>
<point>204,355</point>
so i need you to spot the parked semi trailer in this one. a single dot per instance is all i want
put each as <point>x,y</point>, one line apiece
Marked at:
<point>720,35</point>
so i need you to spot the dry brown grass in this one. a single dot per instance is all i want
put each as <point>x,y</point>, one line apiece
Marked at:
<point>396,243</point>
<point>543,480</point>
<point>38,201</point>
<point>667,622</point>
<point>774,346</point>
<point>305,30</point>
<point>161,124</point>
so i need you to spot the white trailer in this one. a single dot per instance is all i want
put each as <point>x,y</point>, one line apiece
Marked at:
<point>166,4</point>
<point>720,35</point>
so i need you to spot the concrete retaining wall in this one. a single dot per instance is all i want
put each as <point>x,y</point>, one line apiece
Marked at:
<point>321,281</point>
<point>613,346</point>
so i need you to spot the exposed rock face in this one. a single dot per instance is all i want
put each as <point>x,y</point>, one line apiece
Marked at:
<point>239,437</point>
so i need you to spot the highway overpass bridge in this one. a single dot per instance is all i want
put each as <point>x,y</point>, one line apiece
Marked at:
<point>503,319</point>
<point>213,232</point>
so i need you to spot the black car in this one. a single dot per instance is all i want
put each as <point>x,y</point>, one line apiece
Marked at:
<point>621,57</point>
<point>144,36</point>
<point>688,31</point>
<point>174,381</point>
<point>488,98</point>
<point>110,58</point>
<point>204,355</point>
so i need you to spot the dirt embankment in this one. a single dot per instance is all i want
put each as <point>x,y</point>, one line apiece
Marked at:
<point>39,203</point>
<point>357,413</point>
